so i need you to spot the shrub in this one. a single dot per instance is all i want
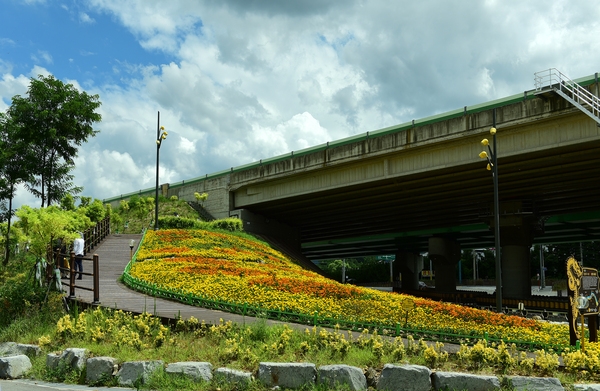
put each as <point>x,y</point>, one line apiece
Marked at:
<point>19,296</point>
<point>231,224</point>
<point>173,222</point>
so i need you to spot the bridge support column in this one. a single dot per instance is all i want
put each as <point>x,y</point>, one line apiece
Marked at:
<point>445,254</point>
<point>515,241</point>
<point>516,282</point>
<point>518,226</point>
<point>406,268</point>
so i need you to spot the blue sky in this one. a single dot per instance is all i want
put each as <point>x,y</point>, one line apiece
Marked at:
<point>70,40</point>
<point>237,81</point>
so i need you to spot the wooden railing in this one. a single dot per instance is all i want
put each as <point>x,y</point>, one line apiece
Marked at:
<point>96,234</point>
<point>92,238</point>
<point>95,274</point>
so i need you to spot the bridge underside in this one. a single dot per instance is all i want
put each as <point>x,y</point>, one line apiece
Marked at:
<point>556,191</point>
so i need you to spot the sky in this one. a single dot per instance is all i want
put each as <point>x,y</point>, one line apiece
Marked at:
<point>236,81</point>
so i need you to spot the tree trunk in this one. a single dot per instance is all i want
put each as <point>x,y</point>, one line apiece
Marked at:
<point>8,228</point>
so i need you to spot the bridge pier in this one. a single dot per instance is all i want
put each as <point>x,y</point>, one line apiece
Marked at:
<point>516,234</point>
<point>445,254</point>
<point>516,283</point>
<point>407,267</point>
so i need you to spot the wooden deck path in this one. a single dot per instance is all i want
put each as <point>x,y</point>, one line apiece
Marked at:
<point>114,253</point>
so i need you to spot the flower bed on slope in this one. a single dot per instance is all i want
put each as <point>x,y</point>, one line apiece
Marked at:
<point>223,267</point>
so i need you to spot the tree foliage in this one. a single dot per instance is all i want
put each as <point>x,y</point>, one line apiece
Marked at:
<point>43,226</point>
<point>359,270</point>
<point>39,138</point>
<point>54,119</point>
<point>16,161</point>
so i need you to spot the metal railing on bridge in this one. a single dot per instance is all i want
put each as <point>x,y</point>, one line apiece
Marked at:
<point>584,100</point>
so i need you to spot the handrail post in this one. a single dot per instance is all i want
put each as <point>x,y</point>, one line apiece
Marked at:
<point>96,280</point>
<point>72,274</point>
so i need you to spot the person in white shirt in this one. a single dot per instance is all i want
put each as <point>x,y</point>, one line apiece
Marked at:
<point>78,249</point>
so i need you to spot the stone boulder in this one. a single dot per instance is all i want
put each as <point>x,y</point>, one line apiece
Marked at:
<point>586,387</point>
<point>133,371</point>
<point>405,378</point>
<point>52,360</point>
<point>197,371</point>
<point>8,349</point>
<point>74,358</point>
<point>15,349</point>
<point>287,375</point>
<point>100,369</point>
<point>464,381</point>
<point>233,376</point>
<point>13,367</point>
<point>525,383</point>
<point>334,376</point>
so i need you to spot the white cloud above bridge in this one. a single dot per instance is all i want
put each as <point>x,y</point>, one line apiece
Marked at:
<point>237,81</point>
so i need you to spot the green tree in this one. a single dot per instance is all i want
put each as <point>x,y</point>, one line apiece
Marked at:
<point>15,166</point>
<point>68,202</point>
<point>43,226</point>
<point>555,257</point>
<point>85,201</point>
<point>54,119</point>
<point>95,211</point>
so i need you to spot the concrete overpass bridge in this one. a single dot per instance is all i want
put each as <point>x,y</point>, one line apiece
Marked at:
<point>420,186</point>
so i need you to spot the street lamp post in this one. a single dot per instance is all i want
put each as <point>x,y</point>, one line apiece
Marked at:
<point>492,159</point>
<point>131,244</point>
<point>159,138</point>
<point>582,304</point>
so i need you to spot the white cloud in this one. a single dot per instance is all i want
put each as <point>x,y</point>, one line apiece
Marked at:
<point>38,70</point>
<point>238,81</point>
<point>11,86</point>
<point>85,18</point>
<point>485,84</point>
<point>42,56</point>
<point>186,146</point>
<point>6,42</point>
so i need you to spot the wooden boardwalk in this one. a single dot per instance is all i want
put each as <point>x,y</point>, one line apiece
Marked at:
<point>114,253</point>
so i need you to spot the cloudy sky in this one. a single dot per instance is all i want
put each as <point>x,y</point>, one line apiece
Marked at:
<point>237,81</point>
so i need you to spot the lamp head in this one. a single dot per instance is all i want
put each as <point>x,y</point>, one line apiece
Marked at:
<point>582,302</point>
<point>493,131</point>
<point>489,167</point>
<point>485,142</point>
<point>483,155</point>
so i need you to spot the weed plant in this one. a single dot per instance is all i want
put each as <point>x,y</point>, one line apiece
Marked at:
<point>27,308</point>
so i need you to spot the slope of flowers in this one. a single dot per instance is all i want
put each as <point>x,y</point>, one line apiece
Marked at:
<point>229,268</point>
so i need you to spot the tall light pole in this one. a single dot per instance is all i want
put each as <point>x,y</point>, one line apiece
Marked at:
<point>159,138</point>
<point>492,159</point>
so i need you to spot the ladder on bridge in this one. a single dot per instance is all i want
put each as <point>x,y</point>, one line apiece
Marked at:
<point>553,79</point>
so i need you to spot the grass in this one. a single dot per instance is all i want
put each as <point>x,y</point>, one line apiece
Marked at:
<point>105,332</point>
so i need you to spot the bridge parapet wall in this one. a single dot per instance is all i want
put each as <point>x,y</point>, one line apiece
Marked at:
<point>458,125</point>
<point>217,203</point>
